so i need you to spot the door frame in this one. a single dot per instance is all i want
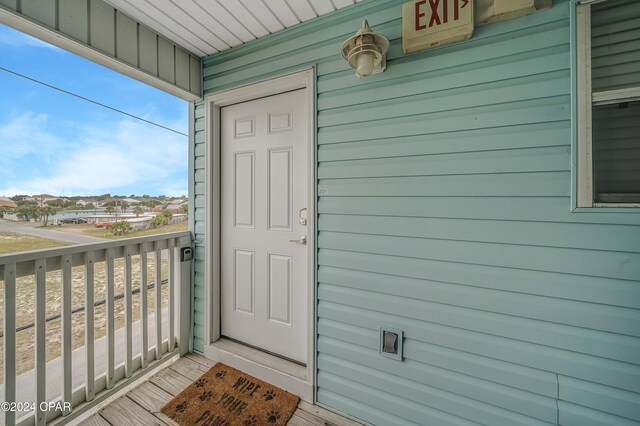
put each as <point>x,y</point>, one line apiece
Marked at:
<point>304,79</point>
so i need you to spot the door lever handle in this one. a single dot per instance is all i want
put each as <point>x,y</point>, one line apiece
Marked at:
<point>302,240</point>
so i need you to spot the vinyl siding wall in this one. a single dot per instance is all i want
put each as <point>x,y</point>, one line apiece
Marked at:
<point>447,215</point>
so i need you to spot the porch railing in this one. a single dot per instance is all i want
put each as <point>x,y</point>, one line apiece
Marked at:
<point>158,337</point>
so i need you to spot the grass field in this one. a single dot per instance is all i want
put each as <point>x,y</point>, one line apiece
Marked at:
<point>11,242</point>
<point>105,233</point>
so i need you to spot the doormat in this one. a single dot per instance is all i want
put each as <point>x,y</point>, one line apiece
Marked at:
<point>224,396</point>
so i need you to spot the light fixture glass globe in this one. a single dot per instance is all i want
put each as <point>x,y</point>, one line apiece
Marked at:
<point>364,63</point>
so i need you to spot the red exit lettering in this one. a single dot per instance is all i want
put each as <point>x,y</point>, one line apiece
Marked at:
<point>435,17</point>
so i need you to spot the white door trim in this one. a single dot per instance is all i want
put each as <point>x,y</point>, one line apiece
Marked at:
<point>213,103</point>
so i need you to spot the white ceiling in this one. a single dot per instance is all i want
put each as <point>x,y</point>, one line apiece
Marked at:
<point>206,27</point>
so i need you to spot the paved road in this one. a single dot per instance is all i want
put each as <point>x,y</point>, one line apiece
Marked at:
<point>31,229</point>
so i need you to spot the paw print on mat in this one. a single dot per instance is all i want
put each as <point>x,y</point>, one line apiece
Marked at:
<point>269,395</point>
<point>206,396</point>
<point>273,416</point>
<point>182,406</point>
<point>220,374</point>
<point>251,421</point>
<point>201,382</point>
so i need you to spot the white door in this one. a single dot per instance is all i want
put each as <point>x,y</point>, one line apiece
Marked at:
<point>264,169</point>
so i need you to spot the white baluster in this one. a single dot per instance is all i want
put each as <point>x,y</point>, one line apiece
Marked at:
<point>89,337</point>
<point>67,372</point>
<point>143,305</point>
<point>158,271</point>
<point>128,320</point>
<point>10,340</point>
<point>110,320</point>
<point>41,339</point>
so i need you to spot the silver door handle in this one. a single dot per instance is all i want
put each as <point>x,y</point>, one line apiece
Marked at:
<point>302,240</point>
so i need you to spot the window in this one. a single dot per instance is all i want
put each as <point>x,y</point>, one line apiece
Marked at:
<point>608,69</point>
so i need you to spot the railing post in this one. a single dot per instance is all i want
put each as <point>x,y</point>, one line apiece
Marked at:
<point>10,340</point>
<point>183,300</point>
<point>172,281</point>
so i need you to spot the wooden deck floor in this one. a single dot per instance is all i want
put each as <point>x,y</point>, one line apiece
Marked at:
<point>141,406</point>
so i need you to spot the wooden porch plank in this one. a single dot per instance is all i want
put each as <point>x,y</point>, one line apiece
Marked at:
<point>200,359</point>
<point>141,406</point>
<point>188,368</point>
<point>123,411</point>
<point>94,420</point>
<point>152,398</point>
<point>305,409</point>
<point>299,421</point>
<point>171,381</point>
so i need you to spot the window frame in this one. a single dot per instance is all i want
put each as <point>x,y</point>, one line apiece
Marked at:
<point>585,101</point>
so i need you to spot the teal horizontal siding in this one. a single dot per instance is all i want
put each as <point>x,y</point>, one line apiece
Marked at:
<point>359,373</point>
<point>459,185</point>
<point>199,301</point>
<point>593,316</point>
<point>338,336</point>
<point>615,292</point>
<point>599,397</point>
<point>505,208</point>
<point>506,232</point>
<point>580,415</point>
<point>611,373</point>
<point>450,385</point>
<point>446,214</point>
<point>607,345</point>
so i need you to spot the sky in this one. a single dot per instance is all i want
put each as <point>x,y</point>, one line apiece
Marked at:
<point>53,143</point>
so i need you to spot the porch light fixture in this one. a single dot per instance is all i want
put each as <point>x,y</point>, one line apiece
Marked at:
<point>366,51</point>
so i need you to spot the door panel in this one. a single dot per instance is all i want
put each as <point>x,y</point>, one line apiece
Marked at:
<point>265,180</point>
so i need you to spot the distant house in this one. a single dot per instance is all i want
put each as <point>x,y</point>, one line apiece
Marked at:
<point>7,202</point>
<point>42,199</point>
<point>131,200</point>
<point>110,200</point>
<point>86,201</point>
<point>173,208</point>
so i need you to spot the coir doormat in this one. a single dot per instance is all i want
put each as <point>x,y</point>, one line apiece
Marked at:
<point>224,396</point>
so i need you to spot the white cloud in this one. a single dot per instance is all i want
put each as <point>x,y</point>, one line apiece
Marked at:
<point>129,155</point>
<point>26,133</point>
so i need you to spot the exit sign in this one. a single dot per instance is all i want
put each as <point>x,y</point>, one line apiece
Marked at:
<point>432,23</point>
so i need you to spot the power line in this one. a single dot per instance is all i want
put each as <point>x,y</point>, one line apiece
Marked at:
<point>92,101</point>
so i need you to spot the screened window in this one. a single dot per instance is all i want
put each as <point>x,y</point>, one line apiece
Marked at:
<point>608,42</point>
